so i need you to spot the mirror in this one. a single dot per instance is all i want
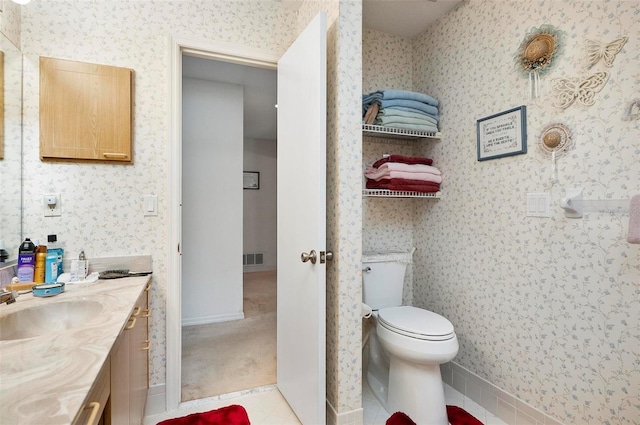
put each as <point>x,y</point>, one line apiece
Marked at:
<point>11,150</point>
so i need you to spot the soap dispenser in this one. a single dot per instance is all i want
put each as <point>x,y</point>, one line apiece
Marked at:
<point>79,268</point>
<point>83,265</point>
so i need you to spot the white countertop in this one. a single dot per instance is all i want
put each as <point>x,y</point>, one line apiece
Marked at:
<point>44,380</point>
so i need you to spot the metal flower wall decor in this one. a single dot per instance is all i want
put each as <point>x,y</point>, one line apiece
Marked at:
<point>537,54</point>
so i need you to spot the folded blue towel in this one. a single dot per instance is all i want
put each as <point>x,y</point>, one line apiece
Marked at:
<point>384,120</point>
<point>394,111</point>
<point>415,111</point>
<point>419,127</point>
<point>429,109</point>
<point>399,94</point>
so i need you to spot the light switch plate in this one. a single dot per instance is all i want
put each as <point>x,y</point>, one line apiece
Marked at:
<point>150,205</point>
<point>538,204</point>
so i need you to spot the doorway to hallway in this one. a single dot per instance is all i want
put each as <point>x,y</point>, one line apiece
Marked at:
<point>228,127</point>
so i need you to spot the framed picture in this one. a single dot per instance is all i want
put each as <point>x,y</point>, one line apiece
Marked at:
<point>251,180</point>
<point>502,134</point>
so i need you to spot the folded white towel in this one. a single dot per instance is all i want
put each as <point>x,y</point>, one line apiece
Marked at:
<point>634,220</point>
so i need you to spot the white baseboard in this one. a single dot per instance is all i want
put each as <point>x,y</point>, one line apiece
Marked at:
<point>156,400</point>
<point>263,268</point>
<point>352,417</point>
<point>212,319</point>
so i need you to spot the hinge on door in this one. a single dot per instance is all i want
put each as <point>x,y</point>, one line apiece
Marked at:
<point>179,252</point>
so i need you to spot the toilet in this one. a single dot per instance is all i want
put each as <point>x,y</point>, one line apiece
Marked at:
<point>407,345</point>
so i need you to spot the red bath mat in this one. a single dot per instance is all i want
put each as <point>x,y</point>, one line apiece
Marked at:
<point>230,415</point>
<point>457,416</point>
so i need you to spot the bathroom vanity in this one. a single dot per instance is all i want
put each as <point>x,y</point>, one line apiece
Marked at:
<point>80,357</point>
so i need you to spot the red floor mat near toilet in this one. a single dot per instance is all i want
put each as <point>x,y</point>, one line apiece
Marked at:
<point>229,415</point>
<point>457,416</point>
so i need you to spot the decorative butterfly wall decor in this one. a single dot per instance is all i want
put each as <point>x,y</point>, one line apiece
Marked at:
<point>606,52</point>
<point>568,90</point>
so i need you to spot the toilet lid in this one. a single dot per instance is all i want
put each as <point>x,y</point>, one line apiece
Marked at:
<point>416,323</point>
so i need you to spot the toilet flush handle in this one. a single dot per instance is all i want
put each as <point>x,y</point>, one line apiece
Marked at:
<point>366,269</point>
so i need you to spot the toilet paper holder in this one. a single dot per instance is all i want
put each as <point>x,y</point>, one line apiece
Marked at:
<point>572,203</point>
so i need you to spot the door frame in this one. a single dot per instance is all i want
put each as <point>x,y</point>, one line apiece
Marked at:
<point>223,51</point>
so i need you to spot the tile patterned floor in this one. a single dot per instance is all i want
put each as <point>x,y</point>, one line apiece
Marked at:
<point>265,406</point>
<point>374,413</point>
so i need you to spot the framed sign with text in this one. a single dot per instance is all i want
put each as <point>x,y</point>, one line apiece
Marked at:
<point>502,134</point>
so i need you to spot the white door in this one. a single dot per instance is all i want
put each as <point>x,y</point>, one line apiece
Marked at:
<point>301,223</point>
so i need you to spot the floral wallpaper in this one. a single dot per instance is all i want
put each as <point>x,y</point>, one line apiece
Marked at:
<point>386,61</point>
<point>387,223</point>
<point>102,203</point>
<point>547,309</point>
<point>102,208</point>
<point>344,213</point>
<point>10,20</point>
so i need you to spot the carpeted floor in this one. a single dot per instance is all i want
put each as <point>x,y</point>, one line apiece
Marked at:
<point>221,358</point>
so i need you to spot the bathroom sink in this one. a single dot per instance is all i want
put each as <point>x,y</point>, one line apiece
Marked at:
<point>46,318</point>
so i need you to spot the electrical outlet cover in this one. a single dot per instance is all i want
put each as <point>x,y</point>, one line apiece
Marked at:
<point>49,201</point>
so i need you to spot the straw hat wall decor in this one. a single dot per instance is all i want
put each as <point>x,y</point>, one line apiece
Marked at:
<point>555,140</point>
<point>537,54</point>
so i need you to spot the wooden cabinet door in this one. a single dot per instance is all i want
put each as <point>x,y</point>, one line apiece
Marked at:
<point>97,399</point>
<point>85,111</point>
<point>139,362</point>
<point>129,368</point>
<point>120,380</point>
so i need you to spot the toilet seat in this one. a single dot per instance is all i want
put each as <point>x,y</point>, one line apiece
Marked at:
<point>416,323</point>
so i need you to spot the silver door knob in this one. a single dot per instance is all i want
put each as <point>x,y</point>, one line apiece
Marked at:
<point>325,256</point>
<point>311,256</point>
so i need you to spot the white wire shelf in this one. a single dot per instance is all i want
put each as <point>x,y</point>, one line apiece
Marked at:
<point>397,133</point>
<point>385,193</point>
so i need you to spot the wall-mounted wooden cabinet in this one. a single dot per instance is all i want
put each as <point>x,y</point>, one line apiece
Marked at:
<point>86,111</point>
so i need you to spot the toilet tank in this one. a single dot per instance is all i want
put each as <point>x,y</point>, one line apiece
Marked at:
<point>383,278</point>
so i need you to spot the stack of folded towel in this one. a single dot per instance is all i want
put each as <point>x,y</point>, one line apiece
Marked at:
<point>401,109</point>
<point>396,172</point>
